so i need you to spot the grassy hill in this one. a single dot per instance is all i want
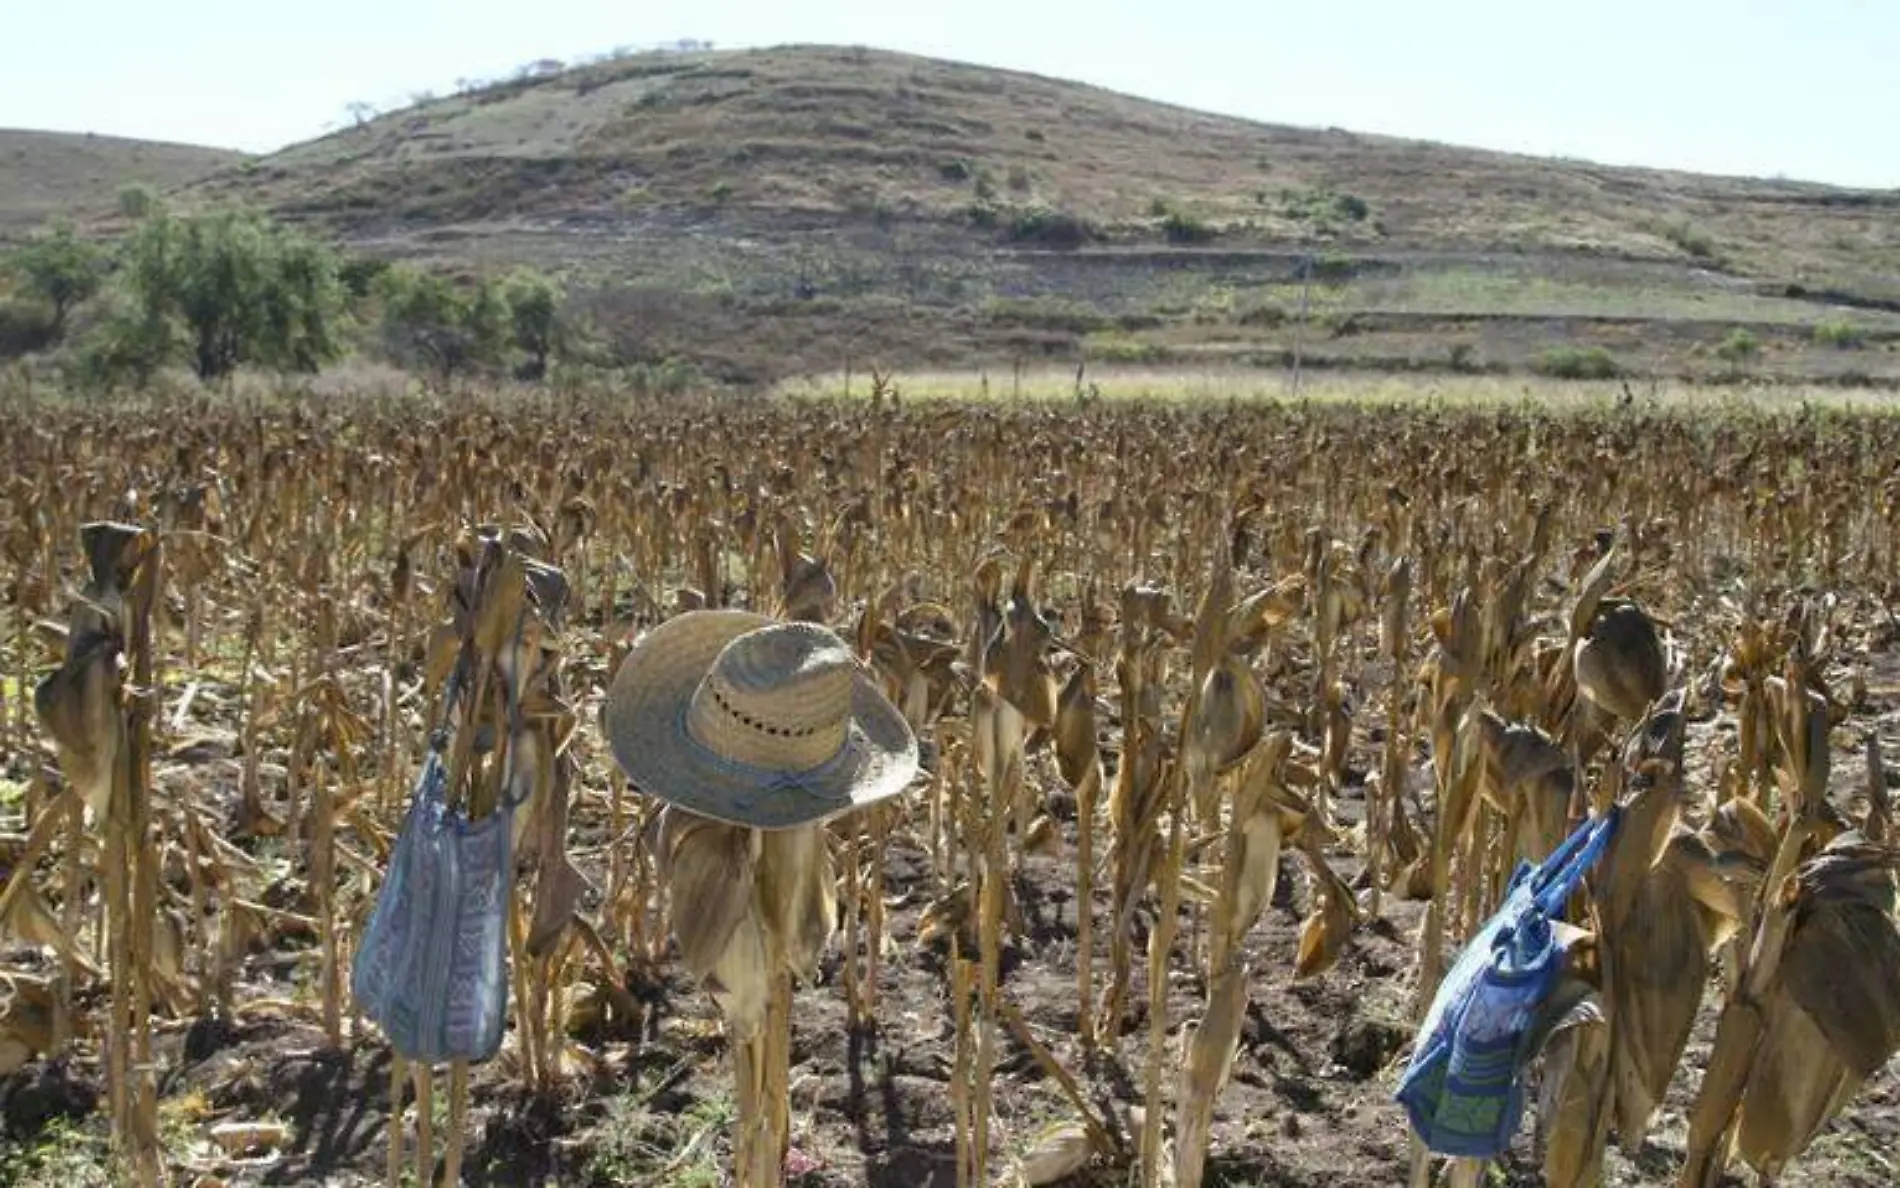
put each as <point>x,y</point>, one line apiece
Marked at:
<point>805,208</point>
<point>47,174</point>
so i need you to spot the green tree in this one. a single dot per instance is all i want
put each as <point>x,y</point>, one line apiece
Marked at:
<point>487,324</point>
<point>128,344</point>
<point>241,288</point>
<point>302,307</point>
<point>60,269</point>
<point>218,290</point>
<point>534,302</point>
<point>425,321</point>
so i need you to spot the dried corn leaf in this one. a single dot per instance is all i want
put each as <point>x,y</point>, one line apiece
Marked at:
<point>1659,972</point>
<point>1795,1085</point>
<point>1842,963</point>
<point>1254,617</point>
<point>1264,815</point>
<point>710,869</point>
<point>1054,1154</point>
<point>79,705</point>
<point>26,1020</point>
<point>1324,933</point>
<point>1740,833</point>
<point>1573,1106</point>
<point>249,1138</point>
<point>797,890</point>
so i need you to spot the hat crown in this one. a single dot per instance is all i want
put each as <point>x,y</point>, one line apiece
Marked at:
<point>776,697</point>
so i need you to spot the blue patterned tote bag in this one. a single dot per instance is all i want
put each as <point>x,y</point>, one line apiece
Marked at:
<point>1463,1089</point>
<point>431,967</point>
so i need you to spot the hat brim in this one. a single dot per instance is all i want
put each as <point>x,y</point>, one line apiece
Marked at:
<point>644,721</point>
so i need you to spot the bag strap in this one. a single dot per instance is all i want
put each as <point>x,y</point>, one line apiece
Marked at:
<point>440,736</point>
<point>511,704</point>
<point>460,677</point>
<point>1567,865</point>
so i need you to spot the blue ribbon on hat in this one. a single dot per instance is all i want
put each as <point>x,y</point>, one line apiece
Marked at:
<point>769,781</point>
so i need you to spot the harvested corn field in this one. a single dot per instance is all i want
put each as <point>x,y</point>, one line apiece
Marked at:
<point>1232,723</point>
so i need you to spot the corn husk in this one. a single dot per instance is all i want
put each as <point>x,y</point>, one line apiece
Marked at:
<point>1232,713</point>
<point>1055,1153</point>
<point>1527,777</point>
<point>1663,965</point>
<point>1572,1103</point>
<point>798,891</point>
<point>1074,734</point>
<point>711,873</point>
<point>79,705</point>
<point>1619,662</point>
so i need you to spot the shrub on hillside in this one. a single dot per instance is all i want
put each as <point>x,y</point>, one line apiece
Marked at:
<point>1740,346</point>
<point>1693,240</point>
<point>1321,207</point>
<point>1841,335</point>
<point>1184,229</point>
<point>1577,363</point>
<point>138,200</point>
<point>1047,313</point>
<point>1048,227</point>
<point>984,216</point>
<point>1266,314</point>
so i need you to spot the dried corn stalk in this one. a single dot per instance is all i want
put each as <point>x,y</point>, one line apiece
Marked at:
<point>103,731</point>
<point>507,723</point>
<point>1265,813</point>
<point>752,911</point>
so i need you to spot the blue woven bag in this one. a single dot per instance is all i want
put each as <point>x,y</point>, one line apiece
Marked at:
<point>431,967</point>
<point>1463,1089</point>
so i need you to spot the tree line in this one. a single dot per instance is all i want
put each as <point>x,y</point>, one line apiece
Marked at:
<point>220,289</point>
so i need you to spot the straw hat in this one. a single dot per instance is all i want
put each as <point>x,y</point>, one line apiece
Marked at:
<point>754,721</point>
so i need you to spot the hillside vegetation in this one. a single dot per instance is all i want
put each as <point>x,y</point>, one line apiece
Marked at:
<point>811,131</point>
<point>44,175</point>
<point>791,211</point>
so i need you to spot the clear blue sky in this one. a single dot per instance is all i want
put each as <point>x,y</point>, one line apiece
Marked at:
<point>1803,88</point>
